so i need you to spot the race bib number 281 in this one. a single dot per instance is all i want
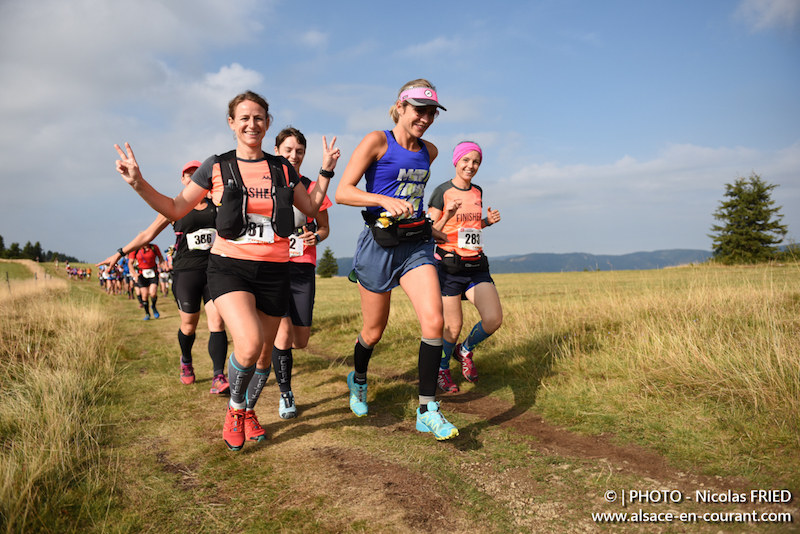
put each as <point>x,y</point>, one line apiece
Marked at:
<point>259,230</point>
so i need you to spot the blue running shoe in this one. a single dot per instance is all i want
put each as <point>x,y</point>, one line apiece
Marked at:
<point>358,396</point>
<point>434,421</point>
<point>147,317</point>
<point>155,314</point>
<point>286,406</point>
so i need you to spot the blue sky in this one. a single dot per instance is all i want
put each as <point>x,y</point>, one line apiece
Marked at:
<point>607,127</point>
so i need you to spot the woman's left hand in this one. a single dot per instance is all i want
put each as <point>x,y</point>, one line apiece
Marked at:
<point>493,216</point>
<point>330,155</point>
<point>308,238</point>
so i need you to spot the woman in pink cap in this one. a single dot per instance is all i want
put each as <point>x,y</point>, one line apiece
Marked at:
<point>396,246</point>
<point>194,234</point>
<point>456,207</point>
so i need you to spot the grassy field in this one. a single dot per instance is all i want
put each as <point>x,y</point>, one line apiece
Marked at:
<point>682,379</point>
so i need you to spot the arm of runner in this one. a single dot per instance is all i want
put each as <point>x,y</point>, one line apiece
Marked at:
<point>172,208</point>
<point>140,240</point>
<point>440,217</point>
<point>309,203</point>
<point>371,149</point>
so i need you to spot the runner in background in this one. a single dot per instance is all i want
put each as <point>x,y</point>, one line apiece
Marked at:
<point>195,235</point>
<point>456,207</point>
<point>295,327</point>
<point>148,256</point>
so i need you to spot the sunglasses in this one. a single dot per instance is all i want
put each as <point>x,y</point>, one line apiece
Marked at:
<point>421,111</point>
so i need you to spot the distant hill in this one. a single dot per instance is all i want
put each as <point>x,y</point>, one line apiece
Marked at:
<point>576,261</point>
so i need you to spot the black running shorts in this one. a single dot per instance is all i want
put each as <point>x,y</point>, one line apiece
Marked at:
<point>267,281</point>
<point>189,287</point>
<point>302,288</point>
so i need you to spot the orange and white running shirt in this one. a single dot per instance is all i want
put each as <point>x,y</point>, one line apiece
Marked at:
<point>464,234</point>
<point>260,243</point>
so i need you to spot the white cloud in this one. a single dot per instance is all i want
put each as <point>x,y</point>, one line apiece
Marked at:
<point>766,14</point>
<point>315,39</point>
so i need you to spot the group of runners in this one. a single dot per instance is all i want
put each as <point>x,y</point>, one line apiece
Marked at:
<point>247,224</point>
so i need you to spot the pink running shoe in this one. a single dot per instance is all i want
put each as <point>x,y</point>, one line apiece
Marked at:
<point>467,365</point>
<point>187,373</point>
<point>253,431</point>
<point>233,429</point>
<point>219,385</point>
<point>445,381</point>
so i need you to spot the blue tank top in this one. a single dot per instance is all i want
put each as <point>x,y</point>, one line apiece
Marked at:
<point>400,173</point>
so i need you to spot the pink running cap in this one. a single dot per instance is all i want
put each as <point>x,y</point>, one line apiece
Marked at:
<point>191,165</point>
<point>421,96</point>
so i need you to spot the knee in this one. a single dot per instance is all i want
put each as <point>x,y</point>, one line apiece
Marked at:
<point>432,326</point>
<point>493,323</point>
<point>188,329</point>
<point>371,336</point>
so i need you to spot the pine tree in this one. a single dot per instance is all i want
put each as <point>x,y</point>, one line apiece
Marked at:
<point>327,266</point>
<point>751,225</point>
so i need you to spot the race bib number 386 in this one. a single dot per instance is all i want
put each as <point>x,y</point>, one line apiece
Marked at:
<point>201,239</point>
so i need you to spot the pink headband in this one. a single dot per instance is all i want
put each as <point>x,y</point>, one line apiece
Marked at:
<point>465,148</point>
<point>421,96</point>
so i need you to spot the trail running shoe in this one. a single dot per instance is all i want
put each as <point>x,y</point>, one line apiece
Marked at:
<point>219,385</point>
<point>445,381</point>
<point>233,429</point>
<point>434,421</point>
<point>155,313</point>
<point>147,317</point>
<point>187,373</point>
<point>253,431</point>
<point>286,406</point>
<point>467,365</point>
<point>358,396</point>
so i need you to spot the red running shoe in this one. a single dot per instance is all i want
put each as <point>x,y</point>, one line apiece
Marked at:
<point>253,431</point>
<point>467,365</point>
<point>219,385</point>
<point>445,381</point>
<point>187,374</point>
<point>233,429</point>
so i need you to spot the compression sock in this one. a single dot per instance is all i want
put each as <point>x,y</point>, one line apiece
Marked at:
<point>447,351</point>
<point>430,354</point>
<point>139,298</point>
<point>282,362</point>
<point>361,355</point>
<point>239,379</point>
<point>154,299</point>
<point>256,386</point>
<point>217,349</point>
<point>146,308</point>
<point>186,343</point>
<point>475,336</point>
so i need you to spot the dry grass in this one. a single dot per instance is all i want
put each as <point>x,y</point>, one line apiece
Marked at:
<point>27,278</point>
<point>56,357</point>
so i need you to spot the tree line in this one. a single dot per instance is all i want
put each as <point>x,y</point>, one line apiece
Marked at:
<point>32,252</point>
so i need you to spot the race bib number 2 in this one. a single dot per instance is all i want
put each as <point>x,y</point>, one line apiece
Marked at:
<point>259,230</point>
<point>470,239</point>
<point>296,246</point>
